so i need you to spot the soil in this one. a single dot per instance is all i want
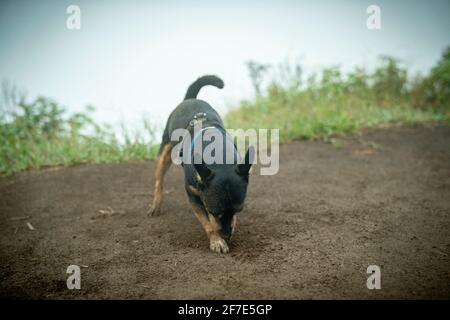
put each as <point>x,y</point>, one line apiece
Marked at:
<point>310,232</point>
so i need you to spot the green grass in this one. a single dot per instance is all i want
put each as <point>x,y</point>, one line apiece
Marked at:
<point>67,151</point>
<point>298,116</point>
<point>39,134</point>
<point>337,104</point>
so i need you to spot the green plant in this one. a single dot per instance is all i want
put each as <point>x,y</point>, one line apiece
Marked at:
<point>434,90</point>
<point>331,102</point>
<point>38,134</point>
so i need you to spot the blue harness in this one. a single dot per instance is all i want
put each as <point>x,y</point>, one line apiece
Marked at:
<point>197,135</point>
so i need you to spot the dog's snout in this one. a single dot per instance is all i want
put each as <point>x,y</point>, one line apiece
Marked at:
<point>227,238</point>
<point>226,231</point>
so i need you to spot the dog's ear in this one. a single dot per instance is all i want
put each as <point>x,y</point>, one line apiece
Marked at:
<point>203,171</point>
<point>244,168</point>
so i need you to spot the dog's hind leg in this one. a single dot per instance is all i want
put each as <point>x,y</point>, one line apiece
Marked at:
<point>163,164</point>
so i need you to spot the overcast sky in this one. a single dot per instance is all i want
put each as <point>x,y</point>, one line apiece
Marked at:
<point>135,58</point>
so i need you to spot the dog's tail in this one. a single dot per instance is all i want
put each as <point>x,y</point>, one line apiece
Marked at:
<point>200,83</point>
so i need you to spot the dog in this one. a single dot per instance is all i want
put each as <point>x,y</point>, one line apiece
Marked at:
<point>215,191</point>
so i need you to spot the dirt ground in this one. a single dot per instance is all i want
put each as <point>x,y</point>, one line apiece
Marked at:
<point>309,232</point>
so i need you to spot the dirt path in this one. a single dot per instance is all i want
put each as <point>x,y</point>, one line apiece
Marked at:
<point>309,232</point>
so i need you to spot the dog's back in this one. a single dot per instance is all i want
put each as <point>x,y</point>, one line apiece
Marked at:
<point>186,110</point>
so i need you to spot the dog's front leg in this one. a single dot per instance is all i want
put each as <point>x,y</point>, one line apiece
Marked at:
<point>212,228</point>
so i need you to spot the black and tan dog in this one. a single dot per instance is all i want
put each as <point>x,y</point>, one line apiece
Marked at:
<point>216,191</point>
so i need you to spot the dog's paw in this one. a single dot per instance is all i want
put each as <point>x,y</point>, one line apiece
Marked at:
<point>154,210</point>
<point>218,245</point>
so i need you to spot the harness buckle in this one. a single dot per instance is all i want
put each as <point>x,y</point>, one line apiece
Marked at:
<point>198,117</point>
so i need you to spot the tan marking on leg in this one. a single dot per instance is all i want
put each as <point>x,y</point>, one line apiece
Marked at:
<point>212,228</point>
<point>233,224</point>
<point>163,164</point>
<point>194,191</point>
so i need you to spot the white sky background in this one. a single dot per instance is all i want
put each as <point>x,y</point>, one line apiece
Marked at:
<point>136,58</point>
